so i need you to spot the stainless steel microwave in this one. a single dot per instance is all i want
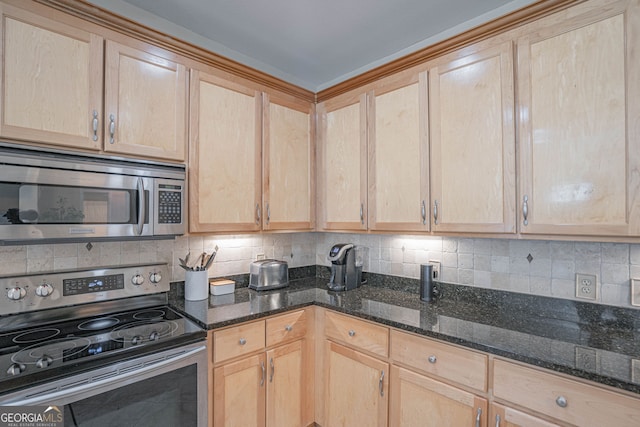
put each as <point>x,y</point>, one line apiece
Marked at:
<point>58,195</point>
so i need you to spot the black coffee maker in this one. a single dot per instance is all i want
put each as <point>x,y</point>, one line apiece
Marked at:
<point>346,274</point>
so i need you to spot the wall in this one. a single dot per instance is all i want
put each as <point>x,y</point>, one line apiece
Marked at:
<point>234,254</point>
<point>488,263</point>
<point>501,263</point>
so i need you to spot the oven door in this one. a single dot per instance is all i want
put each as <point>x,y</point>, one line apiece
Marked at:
<point>162,389</point>
<point>46,203</point>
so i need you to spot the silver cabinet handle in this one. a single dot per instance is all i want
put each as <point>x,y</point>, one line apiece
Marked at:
<point>525,210</point>
<point>94,124</point>
<point>352,332</point>
<point>263,373</point>
<point>497,420</point>
<point>288,328</point>
<point>478,417</point>
<point>362,213</point>
<point>258,213</point>
<point>242,341</point>
<point>381,383</point>
<point>561,401</point>
<point>268,214</point>
<point>423,213</point>
<point>432,359</point>
<point>272,370</point>
<point>112,128</point>
<point>435,212</point>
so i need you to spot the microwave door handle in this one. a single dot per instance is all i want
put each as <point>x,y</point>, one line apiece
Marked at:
<point>142,206</point>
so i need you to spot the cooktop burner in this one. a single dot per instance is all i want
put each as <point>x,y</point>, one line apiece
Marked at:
<point>47,352</point>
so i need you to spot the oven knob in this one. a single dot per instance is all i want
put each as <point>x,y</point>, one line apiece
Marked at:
<point>136,340</point>
<point>16,293</point>
<point>154,336</point>
<point>155,277</point>
<point>44,290</point>
<point>44,361</point>
<point>138,279</point>
<point>16,369</point>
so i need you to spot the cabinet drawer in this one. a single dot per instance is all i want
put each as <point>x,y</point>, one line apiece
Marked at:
<point>237,341</point>
<point>562,398</point>
<point>357,333</point>
<point>287,327</point>
<point>443,360</point>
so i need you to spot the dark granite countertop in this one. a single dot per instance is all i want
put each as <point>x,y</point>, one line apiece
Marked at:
<point>591,341</point>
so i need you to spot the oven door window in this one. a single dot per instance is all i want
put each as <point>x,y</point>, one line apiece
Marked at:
<point>58,204</point>
<point>168,399</point>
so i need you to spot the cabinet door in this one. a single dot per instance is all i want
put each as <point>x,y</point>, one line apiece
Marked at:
<point>239,393</point>
<point>579,95</point>
<point>289,164</point>
<point>356,388</point>
<point>145,103</point>
<point>473,142</point>
<point>342,166</point>
<point>420,401</point>
<point>52,81</point>
<point>399,155</point>
<point>224,156</point>
<point>285,388</point>
<point>504,416</point>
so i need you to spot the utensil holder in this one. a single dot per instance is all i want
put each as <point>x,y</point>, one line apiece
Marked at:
<point>196,285</point>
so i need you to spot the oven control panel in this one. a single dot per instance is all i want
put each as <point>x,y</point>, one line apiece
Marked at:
<point>58,289</point>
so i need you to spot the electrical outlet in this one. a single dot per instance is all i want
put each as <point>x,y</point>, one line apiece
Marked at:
<point>586,286</point>
<point>635,292</point>
<point>259,257</point>
<point>436,268</point>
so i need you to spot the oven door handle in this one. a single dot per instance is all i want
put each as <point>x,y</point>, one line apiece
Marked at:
<point>142,206</point>
<point>105,384</point>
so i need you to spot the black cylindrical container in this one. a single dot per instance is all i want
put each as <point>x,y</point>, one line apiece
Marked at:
<point>426,282</point>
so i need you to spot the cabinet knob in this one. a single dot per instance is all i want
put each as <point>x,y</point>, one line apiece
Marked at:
<point>352,333</point>
<point>288,328</point>
<point>433,359</point>
<point>561,401</point>
<point>242,341</point>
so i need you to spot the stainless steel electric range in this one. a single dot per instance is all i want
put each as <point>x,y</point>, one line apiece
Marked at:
<point>104,344</point>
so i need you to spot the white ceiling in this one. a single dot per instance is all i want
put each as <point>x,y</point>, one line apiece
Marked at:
<point>314,44</point>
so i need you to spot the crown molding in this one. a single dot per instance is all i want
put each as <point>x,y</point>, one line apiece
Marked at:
<point>114,22</point>
<point>499,25</point>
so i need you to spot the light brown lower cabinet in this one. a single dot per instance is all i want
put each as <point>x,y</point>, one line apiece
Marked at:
<point>419,401</point>
<point>569,401</point>
<point>504,416</point>
<point>261,390</point>
<point>356,388</point>
<point>262,373</point>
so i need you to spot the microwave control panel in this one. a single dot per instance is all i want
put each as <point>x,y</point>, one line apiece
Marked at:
<point>169,204</point>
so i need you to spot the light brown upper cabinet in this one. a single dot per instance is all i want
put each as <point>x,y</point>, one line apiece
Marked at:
<point>342,162</point>
<point>51,81</point>
<point>399,154</point>
<point>579,108</point>
<point>145,103</point>
<point>53,89</point>
<point>251,158</point>
<point>224,155</point>
<point>288,164</point>
<point>473,186</point>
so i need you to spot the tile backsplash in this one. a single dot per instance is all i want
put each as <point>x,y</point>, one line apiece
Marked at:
<point>544,268</point>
